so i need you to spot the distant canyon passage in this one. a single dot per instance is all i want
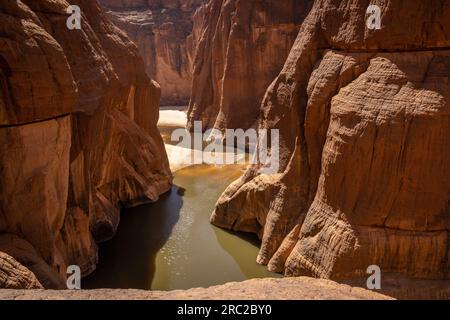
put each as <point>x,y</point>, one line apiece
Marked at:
<point>78,136</point>
<point>363,117</point>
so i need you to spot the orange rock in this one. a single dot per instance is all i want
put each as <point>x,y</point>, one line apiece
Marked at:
<point>36,81</point>
<point>26,255</point>
<point>13,275</point>
<point>34,161</point>
<point>78,130</point>
<point>364,176</point>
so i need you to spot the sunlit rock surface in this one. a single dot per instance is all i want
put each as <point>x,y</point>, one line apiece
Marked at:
<point>164,33</point>
<point>241,49</point>
<point>180,147</point>
<point>364,119</point>
<point>13,275</point>
<point>78,132</point>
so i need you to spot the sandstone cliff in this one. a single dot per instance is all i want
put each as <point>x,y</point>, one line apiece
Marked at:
<point>242,48</point>
<point>13,275</point>
<point>78,135</point>
<point>163,32</point>
<point>364,119</point>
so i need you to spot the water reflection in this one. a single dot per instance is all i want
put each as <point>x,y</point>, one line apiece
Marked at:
<point>171,244</point>
<point>129,259</point>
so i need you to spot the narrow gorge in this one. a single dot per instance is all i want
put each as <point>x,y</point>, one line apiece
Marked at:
<point>100,148</point>
<point>364,123</point>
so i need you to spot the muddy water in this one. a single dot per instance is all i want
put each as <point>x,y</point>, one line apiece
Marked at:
<point>171,244</point>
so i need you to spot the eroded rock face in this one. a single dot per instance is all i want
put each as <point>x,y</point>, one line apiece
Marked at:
<point>257,289</point>
<point>13,275</point>
<point>242,48</point>
<point>78,130</point>
<point>163,32</point>
<point>364,119</point>
<point>26,255</point>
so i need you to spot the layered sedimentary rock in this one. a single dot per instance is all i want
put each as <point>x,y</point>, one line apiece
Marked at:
<point>242,48</point>
<point>257,289</point>
<point>13,275</point>
<point>364,122</point>
<point>78,133</point>
<point>163,32</point>
<point>29,257</point>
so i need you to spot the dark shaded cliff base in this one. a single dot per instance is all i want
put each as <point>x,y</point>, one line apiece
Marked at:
<point>258,289</point>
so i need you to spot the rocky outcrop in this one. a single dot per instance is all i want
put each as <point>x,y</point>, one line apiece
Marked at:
<point>78,132</point>
<point>163,32</point>
<point>13,275</point>
<point>27,255</point>
<point>242,48</point>
<point>364,121</point>
<point>258,289</point>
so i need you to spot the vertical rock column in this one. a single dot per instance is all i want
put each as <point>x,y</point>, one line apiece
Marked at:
<point>78,129</point>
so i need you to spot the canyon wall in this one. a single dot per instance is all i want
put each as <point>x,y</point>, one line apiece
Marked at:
<point>242,48</point>
<point>78,136</point>
<point>163,32</point>
<point>364,122</point>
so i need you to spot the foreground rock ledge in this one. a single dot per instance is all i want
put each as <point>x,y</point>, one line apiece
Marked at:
<point>302,288</point>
